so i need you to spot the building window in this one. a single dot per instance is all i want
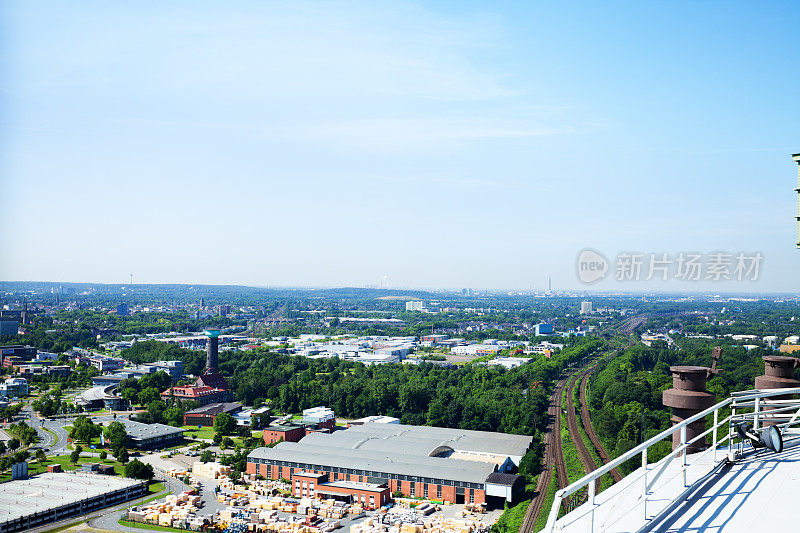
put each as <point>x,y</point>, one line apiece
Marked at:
<point>372,501</point>
<point>412,490</point>
<point>472,496</point>
<point>438,491</point>
<point>425,492</point>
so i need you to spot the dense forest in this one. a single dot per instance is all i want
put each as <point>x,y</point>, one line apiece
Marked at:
<point>471,397</point>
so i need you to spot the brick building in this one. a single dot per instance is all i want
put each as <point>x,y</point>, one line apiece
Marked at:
<point>311,485</point>
<point>283,432</point>
<point>201,395</point>
<point>435,463</point>
<point>205,415</point>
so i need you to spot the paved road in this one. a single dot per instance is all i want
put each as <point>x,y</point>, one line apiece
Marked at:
<point>110,517</point>
<point>207,494</point>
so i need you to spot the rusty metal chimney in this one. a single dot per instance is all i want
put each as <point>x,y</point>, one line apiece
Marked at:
<point>778,374</point>
<point>687,397</point>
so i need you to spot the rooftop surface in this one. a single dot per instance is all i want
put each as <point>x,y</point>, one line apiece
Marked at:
<point>137,430</point>
<point>399,449</point>
<point>424,440</point>
<point>755,493</point>
<point>51,490</point>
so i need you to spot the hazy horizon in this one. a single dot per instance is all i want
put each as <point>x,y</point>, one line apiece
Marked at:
<point>418,144</point>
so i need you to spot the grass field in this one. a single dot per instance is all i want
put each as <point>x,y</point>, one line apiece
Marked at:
<point>193,432</point>
<point>136,525</point>
<point>34,467</point>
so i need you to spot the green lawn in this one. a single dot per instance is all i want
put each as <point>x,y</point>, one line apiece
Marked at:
<point>193,432</point>
<point>34,467</point>
<point>136,525</point>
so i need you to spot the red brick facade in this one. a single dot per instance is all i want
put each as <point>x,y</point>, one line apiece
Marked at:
<point>288,434</point>
<point>435,492</point>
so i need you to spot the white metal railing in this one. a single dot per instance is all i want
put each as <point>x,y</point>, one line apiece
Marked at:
<point>755,406</point>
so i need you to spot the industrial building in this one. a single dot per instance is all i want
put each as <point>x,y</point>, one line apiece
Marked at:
<point>150,436</point>
<point>311,485</point>
<point>50,497</point>
<point>420,461</point>
<point>205,415</point>
<point>283,433</point>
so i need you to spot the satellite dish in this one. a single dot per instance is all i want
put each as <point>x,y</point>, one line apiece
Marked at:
<point>770,438</point>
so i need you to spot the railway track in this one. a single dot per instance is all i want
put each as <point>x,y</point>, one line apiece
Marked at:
<point>553,453</point>
<point>553,456</point>
<point>572,423</point>
<point>590,432</point>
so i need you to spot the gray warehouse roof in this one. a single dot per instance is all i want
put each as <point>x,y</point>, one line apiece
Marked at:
<point>386,462</point>
<point>139,431</point>
<point>423,440</point>
<point>401,450</point>
<point>49,490</point>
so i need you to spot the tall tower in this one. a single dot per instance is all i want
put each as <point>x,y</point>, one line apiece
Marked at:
<point>796,159</point>
<point>212,349</point>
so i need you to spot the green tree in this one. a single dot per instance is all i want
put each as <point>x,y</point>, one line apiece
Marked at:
<point>13,444</point>
<point>139,470</point>
<point>206,457</point>
<point>116,436</point>
<point>2,447</point>
<point>150,394</point>
<point>84,430</point>
<point>103,455</point>
<point>224,424</point>
<point>41,457</point>
<point>121,455</point>
<point>76,454</point>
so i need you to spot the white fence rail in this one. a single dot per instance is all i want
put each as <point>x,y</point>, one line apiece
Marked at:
<point>754,406</point>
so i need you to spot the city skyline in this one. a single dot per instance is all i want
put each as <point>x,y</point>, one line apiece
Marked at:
<point>434,144</point>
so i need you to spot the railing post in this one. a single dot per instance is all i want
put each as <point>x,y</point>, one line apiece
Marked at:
<point>714,437</point>
<point>644,484</point>
<point>731,433</point>
<point>683,452</point>
<point>757,411</point>
<point>592,490</point>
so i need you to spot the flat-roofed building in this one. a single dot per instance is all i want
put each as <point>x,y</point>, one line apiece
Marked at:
<point>51,497</point>
<point>420,461</point>
<point>311,485</point>
<point>207,414</point>
<point>150,436</point>
<point>283,432</point>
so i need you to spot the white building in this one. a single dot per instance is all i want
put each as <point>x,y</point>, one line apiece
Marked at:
<point>415,305</point>
<point>318,415</point>
<point>509,362</point>
<point>476,349</point>
<point>586,307</point>
<point>14,388</point>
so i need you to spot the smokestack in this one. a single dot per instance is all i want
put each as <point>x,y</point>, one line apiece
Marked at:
<point>212,349</point>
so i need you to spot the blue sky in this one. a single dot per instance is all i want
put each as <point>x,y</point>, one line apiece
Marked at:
<point>438,144</point>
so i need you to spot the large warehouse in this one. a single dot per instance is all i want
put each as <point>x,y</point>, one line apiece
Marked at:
<point>429,462</point>
<point>47,498</point>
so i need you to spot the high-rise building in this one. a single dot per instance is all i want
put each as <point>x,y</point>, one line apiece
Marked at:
<point>586,307</point>
<point>415,305</point>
